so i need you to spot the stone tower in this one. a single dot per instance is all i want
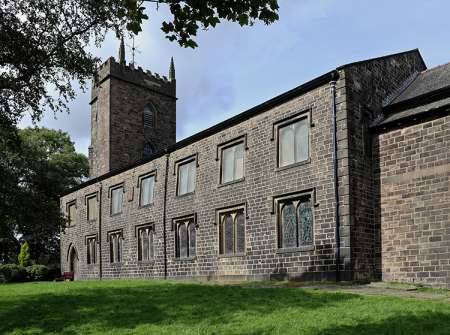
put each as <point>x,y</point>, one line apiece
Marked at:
<point>133,114</point>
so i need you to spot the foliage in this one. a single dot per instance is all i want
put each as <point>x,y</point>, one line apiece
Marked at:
<point>24,255</point>
<point>37,272</point>
<point>157,307</point>
<point>10,171</point>
<point>44,165</point>
<point>12,273</point>
<point>44,43</point>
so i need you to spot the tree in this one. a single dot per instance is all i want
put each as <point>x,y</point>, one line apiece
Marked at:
<point>45,164</point>
<point>24,257</point>
<point>43,43</point>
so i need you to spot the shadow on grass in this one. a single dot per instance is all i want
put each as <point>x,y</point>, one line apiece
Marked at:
<point>426,323</point>
<point>110,308</point>
<point>121,307</point>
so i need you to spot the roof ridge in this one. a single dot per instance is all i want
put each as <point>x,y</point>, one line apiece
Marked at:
<point>436,67</point>
<point>383,57</point>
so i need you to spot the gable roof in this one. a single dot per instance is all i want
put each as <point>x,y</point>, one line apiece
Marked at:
<point>424,96</point>
<point>427,81</point>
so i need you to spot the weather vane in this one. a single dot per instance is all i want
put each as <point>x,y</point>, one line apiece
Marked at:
<point>134,50</point>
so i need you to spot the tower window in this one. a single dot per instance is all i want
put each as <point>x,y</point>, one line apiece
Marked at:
<point>149,117</point>
<point>148,149</point>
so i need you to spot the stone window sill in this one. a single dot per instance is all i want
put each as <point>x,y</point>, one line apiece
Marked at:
<point>145,206</point>
<point>149,262</point>
<point>239,255</point>
<point>187,259</point>
<point>297,249</point>
<point>290,166</point>
<point>185,194</point>
<point>116,214</point>
<point>240,180</point>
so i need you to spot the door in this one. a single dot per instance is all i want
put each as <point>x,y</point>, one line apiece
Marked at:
<point>73,263</point>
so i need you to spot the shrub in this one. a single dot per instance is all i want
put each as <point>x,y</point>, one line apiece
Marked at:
<point>37,272</point>
<point>54,272</point>
<point>12,273</point>
<point>24,255</point>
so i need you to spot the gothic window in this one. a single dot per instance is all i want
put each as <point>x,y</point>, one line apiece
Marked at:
<point>72,214</point>
<point>185,239</point>
<point>116,200</point>
<point>145,243</point>
<point>115,247</point>
<point>149,117</point>
<point>232,163</point>
<point>232,232</point>
<point>148,149</point>
<point>293,142</point>
<point>295,222</point>
<point>146,189</point>
<point>92,208</point>
<point>186,177</point>
<point>91,244</point>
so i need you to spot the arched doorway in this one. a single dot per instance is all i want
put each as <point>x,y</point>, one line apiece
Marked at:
<point>73,262</point>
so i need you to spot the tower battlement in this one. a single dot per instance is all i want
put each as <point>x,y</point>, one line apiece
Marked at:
<point>134,75</point>
<point>133,114</point>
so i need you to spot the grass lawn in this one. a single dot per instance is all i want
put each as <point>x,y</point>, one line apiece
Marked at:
<point>157,307</point>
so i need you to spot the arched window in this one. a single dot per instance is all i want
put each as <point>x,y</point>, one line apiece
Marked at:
<point>289,225</point>
<point>192,240</point>
<point>145,243</point>
<point>115,246</point>
<point>295,222</point>
<point>149,116</point>
<point>185,238</point>
<point>232,232</point>
<point>305,224</point>
<point>148,149</point>
<point>229,234</point>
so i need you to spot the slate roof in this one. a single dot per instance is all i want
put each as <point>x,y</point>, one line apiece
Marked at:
<point>439,106</point>
<point>422,95</point>
<point>426,82</point>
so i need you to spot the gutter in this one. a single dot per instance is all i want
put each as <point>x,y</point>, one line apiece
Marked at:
<point>99,242</point>
<point>336,176</point>
<point>166,177</point>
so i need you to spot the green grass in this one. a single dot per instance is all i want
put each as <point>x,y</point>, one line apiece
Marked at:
<point>157,307</point>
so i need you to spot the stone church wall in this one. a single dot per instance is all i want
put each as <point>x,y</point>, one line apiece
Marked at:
<point>414,207</point>
<point>263,181</point>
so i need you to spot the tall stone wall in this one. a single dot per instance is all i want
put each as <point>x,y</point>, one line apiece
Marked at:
<point>263,181</point>
<point>369,85</point>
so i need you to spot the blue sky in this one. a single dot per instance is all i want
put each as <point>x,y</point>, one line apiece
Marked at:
<point>236,68</point>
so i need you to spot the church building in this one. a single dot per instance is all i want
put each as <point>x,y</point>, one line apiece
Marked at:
<point>345,177</point>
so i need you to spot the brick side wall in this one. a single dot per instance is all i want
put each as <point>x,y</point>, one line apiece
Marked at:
<point>263,180</point>
<point>368,84</point>
<point>414,189</point>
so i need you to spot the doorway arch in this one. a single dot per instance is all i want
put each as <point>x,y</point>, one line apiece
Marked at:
<point>73,261</point>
